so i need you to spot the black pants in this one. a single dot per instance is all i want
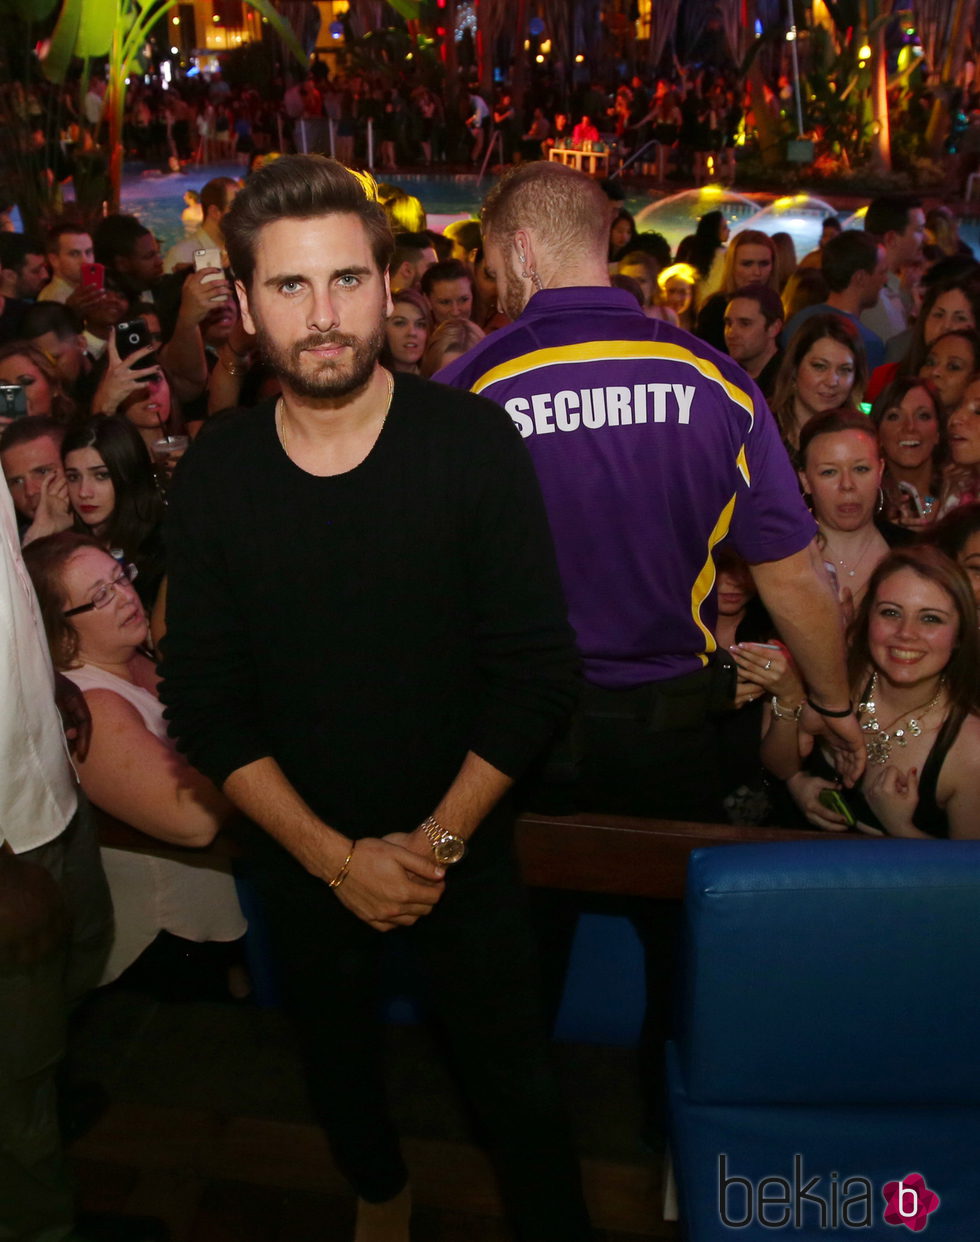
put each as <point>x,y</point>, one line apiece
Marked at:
<point>648,751</point>
<point>477,956</point>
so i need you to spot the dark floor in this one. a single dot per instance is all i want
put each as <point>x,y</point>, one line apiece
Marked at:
<point>209,1128</point>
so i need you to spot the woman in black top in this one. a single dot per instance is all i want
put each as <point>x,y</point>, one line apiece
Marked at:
<point>114,495</point>
<point>913,666</point>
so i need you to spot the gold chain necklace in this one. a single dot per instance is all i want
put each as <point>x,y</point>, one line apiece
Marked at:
<point>879,741</point>
<point>281,411</point>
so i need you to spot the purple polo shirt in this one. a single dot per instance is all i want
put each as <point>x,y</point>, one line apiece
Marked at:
<point>651,449</point>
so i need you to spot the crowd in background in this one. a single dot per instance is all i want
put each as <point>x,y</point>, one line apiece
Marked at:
<point>867,351</point>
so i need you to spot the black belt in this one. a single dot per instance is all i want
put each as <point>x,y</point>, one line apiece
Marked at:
<point>676,703</point>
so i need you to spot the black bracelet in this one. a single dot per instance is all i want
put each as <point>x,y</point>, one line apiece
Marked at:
<point>825,711</point>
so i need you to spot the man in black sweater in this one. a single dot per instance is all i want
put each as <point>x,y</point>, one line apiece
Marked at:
<point>366,645</point>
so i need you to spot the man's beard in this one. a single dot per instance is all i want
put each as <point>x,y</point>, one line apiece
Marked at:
<point>323,378</point>
<point>511,297</point>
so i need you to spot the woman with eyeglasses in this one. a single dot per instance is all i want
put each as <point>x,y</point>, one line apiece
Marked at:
<point>96,629</point>
<point>114,495</point>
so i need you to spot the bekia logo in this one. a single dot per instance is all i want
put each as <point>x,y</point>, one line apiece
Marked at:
<point>827,1201</point>
<point>909,1202</point>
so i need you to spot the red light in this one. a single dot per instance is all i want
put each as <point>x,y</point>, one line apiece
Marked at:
<point>440,4</point>
<point>441,31</point>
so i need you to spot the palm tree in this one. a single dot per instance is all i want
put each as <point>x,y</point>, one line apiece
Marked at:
<point>119,29</point>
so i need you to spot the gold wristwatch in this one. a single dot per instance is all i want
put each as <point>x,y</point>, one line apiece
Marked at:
<point>446,846</point>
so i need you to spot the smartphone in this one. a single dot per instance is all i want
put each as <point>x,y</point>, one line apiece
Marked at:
<point>134,334</point>
<point>13,400</point>
<point>833,800</point>
<point>93,276</point>
<point>915,499</point>
<point>208,258</point>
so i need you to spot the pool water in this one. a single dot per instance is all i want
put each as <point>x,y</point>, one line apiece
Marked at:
<point>158,200</point>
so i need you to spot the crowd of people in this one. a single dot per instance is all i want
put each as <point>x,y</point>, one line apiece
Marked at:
<point>738,455</point>
<point>681,125</point>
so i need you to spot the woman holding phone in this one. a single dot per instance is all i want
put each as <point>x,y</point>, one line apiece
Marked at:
<point>114,496</point>
<point>136,385</point>
<point>25,366</point>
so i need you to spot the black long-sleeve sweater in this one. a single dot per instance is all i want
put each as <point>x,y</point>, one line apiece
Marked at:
<point>366,629</point>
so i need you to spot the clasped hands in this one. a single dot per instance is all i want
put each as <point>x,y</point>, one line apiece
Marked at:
<point>392,881</point>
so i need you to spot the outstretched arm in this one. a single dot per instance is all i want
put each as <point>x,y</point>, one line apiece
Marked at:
<point>801,602</point>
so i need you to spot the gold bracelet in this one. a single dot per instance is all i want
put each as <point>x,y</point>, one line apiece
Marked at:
<point>341,875</point>
<point>238,372</point>
<point>793,714</point>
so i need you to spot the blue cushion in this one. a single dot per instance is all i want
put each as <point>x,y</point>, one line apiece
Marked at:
<point>833,972</point>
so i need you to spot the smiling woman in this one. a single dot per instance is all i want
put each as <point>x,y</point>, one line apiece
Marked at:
<point>913,659</point>
<point>823,369</point>
<point>911,433</point>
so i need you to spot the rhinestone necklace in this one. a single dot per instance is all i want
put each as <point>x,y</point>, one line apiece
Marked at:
<point>878,741</point>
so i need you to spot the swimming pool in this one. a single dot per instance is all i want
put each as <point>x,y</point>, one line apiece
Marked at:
<point>158,199</point>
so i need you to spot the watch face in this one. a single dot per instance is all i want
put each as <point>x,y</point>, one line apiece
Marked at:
<point>449,849</point>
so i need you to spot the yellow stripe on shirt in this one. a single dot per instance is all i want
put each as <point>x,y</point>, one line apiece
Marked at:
<point>613,351</point>
<point>706,579</point>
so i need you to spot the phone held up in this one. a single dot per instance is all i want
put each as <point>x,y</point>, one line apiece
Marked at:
<point>209,258</point>
<point>13,400</point>
<point>93,276</point>
<point>134,334</point>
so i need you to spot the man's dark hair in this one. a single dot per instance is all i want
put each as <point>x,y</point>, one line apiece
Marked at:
<point>52,241</point>
<point>440,243</point>
<point>215,193</point>
<point>768,301</point>
<point>448,269</point>
<point>116,237</point>
<point>845,255</point>
<point>14,249</point>
<point>889,214</point>
<point>298,187</point>
<point>655,244</point>
<point>27,430</point>
<point>408,248</point>
<point>42,317</point>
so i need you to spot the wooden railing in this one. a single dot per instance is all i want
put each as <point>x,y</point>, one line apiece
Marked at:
<point>586,853</point>
<point>619,854</point>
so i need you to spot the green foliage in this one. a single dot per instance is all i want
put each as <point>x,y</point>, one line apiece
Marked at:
<point>27,10</point>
